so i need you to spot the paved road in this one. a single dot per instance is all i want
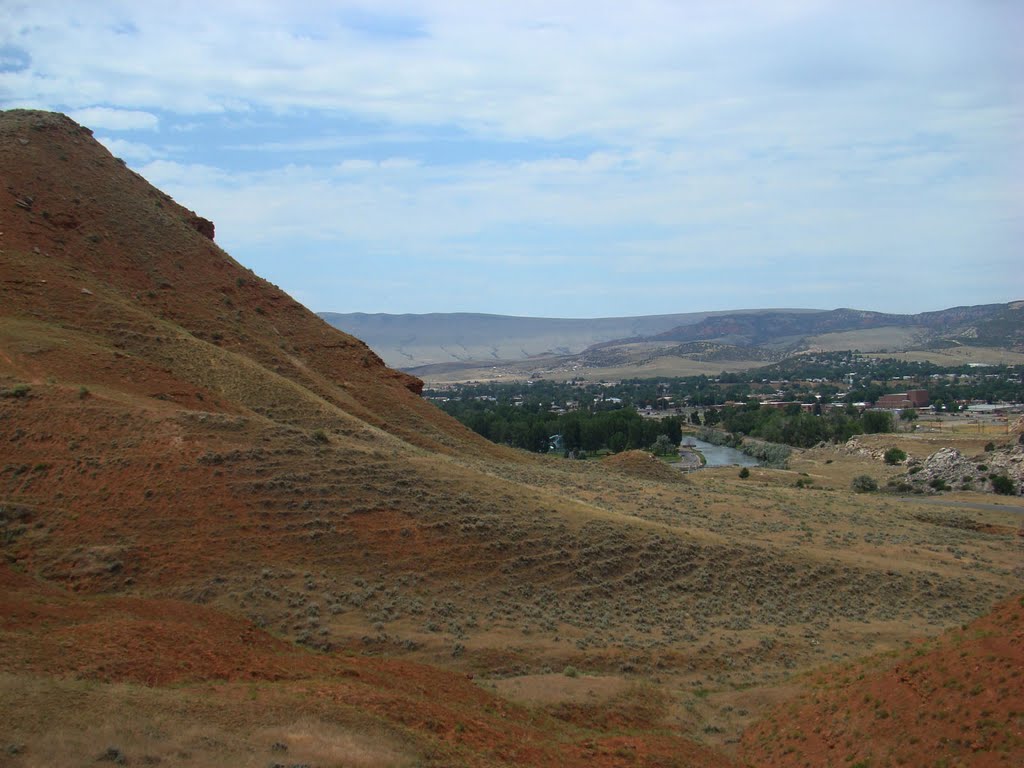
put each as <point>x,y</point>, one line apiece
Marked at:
<point>966,504</point>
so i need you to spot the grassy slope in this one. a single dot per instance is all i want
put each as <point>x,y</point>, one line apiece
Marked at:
<point>231,450</point>
<point>957,700</point>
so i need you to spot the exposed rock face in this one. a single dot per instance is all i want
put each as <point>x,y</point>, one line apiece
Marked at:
<point>948,467</point>
<point>854,447</point>
<point>203,226</point>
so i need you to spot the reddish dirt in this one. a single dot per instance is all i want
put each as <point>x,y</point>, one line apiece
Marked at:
<point>45,630</point>
<point>958,700</point>
<point>89,247</point>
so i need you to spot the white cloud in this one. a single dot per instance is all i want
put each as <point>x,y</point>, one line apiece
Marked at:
<point>643,139</point>
<point>614,72</point>
<point>130,150</point>
<point>115,119</point>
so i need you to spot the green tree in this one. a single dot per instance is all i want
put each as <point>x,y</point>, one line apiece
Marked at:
<point>877,421</point>
<point>663,446</point>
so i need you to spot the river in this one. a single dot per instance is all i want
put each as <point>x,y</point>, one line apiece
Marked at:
<point>720,455</point>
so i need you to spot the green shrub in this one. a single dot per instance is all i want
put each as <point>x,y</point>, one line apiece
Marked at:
<point>1003,485</point>
<point>319,436</point>
<point>744,473</point>
<point>864,484</point>
<point>989,447</point>
<point>18,390</point>
<point>895,456</point>
<point>939,484</point>
<point>570,671</point>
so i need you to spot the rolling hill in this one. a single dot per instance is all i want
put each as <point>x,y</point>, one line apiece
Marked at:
<point>230,534</point>
<point>408,341</point>
<point>464,346</point>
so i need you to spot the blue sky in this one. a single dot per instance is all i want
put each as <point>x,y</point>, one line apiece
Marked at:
<point>565,158</point>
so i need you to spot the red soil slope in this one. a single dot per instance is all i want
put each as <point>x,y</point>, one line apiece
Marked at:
<point>45,631</point>
<point>180,409</point>
<point>89,248</point>
<point>956,701</point>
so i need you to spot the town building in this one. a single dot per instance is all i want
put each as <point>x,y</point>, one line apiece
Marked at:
<point>914,398</point>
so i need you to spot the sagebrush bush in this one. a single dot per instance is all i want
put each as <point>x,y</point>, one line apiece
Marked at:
<point>864,484</point>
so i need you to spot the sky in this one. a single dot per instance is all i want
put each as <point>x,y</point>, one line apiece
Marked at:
<point>565,158</point>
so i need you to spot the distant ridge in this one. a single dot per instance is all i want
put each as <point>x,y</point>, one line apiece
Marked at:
<point>410,340</point>
<point>436,343</point>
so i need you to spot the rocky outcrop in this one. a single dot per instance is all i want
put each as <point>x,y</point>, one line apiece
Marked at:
<point>203,226</point>
<point>948,469</point>
<point>853,447</point>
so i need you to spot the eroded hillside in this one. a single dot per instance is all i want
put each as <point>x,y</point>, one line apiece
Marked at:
<point>192,460</point>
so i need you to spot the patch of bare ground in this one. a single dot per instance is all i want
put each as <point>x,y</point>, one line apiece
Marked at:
<point>251,726</point>
<point>564,687</point>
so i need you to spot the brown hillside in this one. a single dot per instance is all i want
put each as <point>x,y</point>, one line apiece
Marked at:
<point>396,709</point>
<point>958,700</point>
<point>201,481</point>
<point>91,251</point>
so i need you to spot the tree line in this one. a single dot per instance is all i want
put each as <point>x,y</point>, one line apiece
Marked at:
<point>533,428</point>
<point>797,427</point>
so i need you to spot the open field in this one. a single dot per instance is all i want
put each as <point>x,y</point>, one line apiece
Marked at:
<point>566,369</point>
<point>958,356</point>
<point>867,341</point>
<point>657,360</point>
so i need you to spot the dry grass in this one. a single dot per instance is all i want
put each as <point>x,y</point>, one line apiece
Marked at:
<point>561,688</point>
<point>954,356</point>
<point>69,722</point>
